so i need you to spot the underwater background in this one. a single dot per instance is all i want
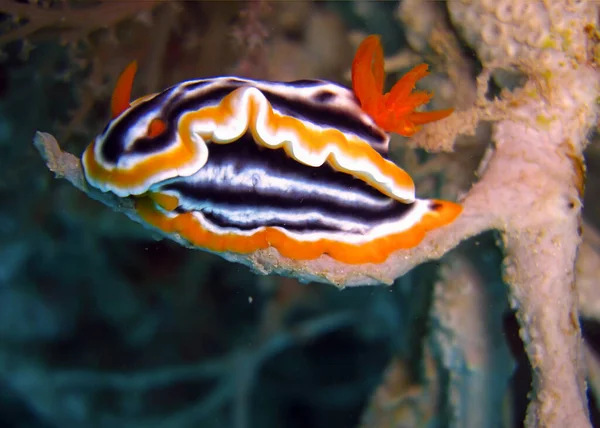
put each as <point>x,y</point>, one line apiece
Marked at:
<point>103,325</point>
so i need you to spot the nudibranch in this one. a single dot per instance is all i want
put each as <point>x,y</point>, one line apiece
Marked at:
<point>233,165</point>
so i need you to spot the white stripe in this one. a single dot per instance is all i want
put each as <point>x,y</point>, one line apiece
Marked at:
<point>239,122</point>
<point>420,208</point>
<point>237,125</point>
<point>261,183</point>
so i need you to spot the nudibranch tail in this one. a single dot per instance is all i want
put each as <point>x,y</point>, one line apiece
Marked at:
<point>121,96</point>
<point>395,110</point>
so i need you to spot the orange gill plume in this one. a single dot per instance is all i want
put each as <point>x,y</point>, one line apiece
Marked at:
<point>395,110</point>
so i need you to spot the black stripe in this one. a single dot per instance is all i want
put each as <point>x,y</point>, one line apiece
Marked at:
<point>172,109</point>
<point>306,225</point>
<point>113,144</point>
<point>323,114</point>
<point>326,115</point>
<point>324,96</point>
<point>245,153</point>
<point>171,114</point>
<point>305,83</point>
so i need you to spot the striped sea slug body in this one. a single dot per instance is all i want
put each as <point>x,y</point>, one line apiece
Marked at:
<point>236,165</point>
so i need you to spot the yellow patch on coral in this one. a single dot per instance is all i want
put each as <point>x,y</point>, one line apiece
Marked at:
<point>547,75</point>
<point>567,38</point>
<point>533,93</point>
<point>548,43</point>
<point>544,121</point>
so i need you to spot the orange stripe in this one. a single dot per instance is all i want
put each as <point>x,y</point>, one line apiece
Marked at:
<point>179,156</point>
<point>164,200</point>
<point>375,251</point>
<point>314,140</point>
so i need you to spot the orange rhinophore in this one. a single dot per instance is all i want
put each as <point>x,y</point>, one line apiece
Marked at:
<point>122,93</point>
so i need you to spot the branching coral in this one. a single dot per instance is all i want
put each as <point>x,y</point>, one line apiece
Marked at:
<point>530,187</point>
<point>71,19</point>
<point>234,378</point>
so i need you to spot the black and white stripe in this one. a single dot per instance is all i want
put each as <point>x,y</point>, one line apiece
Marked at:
<point>244,187</point>
<point>321,103</point>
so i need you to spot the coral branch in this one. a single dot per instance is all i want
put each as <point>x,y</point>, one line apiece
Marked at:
<point>72,23</point>
<point>588,273</point>
<point>65,165</point>
<point>467,331</point>
<point>538,170</point>
<point>551,332</point>
<point>234,374</point>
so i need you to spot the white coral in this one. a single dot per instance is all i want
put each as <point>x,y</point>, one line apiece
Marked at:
<point>537,169</point>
